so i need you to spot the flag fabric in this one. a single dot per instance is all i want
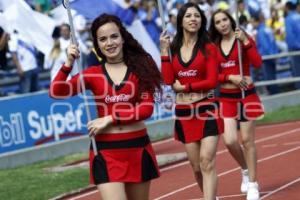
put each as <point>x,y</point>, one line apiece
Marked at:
<point>140,33</point>
<point>60,15</point>
<point>93,8</point>
<point>3,23</point>
<point>32,25</point>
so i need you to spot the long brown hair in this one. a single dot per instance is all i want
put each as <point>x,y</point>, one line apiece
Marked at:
<point>136,58</point>
<point>203,37</point>
<point>214,33</point>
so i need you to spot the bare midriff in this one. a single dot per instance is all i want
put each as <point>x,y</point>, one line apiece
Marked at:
<point>186,98</point>
<point>136,126</point>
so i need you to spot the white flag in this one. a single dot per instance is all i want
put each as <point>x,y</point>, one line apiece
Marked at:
<point>30,24</point>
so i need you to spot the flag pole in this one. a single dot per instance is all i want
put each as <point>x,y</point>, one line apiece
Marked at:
<point>239,48</point>
<point>78,63</point>
<point>163,21</point>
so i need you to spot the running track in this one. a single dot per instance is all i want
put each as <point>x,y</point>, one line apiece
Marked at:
<point>278,148</point>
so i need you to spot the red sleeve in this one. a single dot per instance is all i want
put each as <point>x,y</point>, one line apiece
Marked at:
<point>60,88</point>
<point>167,70</point>
<point>139,112</point>
<point>252,53</point>
<point>211,73</point>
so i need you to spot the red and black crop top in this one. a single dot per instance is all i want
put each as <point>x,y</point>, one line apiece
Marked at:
<point>199,74</point>
<point>229,64</point>
<point>120,101</point>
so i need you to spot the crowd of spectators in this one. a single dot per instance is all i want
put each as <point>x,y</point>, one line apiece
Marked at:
<point>274,24</point>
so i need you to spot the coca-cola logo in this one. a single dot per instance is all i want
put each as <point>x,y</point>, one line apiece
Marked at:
<point>117,98</point>
<point>188,73</point>
<point>230,63</point>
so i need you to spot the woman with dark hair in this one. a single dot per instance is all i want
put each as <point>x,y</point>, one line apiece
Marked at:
<point>234,108</point>
<point>192,72</point>
<point>123,87</point>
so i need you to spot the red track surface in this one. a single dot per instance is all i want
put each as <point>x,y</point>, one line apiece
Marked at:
<point>278,148</point>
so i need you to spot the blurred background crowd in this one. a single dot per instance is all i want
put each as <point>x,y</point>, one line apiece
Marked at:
<point>25,66</point>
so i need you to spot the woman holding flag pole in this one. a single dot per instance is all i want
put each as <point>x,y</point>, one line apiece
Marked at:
<point>238,99</point>
<point>191,69</point>
<point>122,160</point>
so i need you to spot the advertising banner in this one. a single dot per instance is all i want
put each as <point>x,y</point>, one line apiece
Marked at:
<point>36,119</point>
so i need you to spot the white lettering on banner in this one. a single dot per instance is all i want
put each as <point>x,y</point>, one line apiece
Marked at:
<point>12,132</point>
<point>53,124</point>
<point>58,123</point>
<point>230,63</point>
<point>71,121</point>
<point>17,121</point>
<point>189,73</point>
<point>33,122</point>
<point>47,128</point>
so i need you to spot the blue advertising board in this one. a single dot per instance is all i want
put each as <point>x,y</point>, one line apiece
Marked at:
<point>36,119</point>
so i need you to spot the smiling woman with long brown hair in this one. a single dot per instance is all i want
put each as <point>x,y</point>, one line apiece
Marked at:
<point>123,87</point>
<point>234,108</point>
<point>192,72</point>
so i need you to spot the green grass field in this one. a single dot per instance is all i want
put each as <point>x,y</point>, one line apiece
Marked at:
<point>36,182</point>
<point>284,114</point>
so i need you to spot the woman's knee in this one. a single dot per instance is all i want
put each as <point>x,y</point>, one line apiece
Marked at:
<point>248,143</point>
<point>207,163</point>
